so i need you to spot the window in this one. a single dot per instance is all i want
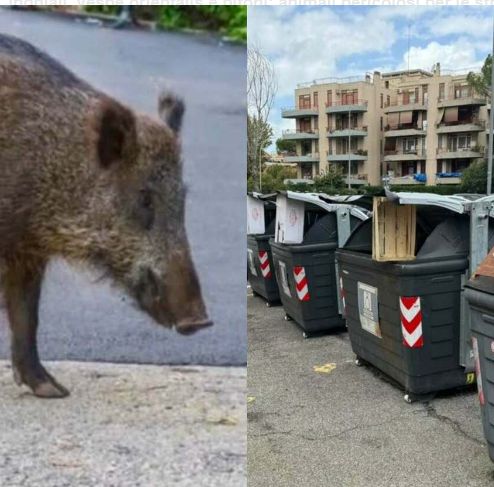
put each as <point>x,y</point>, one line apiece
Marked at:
<point>441,91</point>
<point>462,91</point>
<point>386,84</point>
<point>304,101</point>
<point>409,145</point>
<point>424,94</point>
<point>381,123</point>
<point>382,101</point>
<point>459,143</point>
<point>316,147</point>
<point>349,97</point>
<point>316,123</point>
<point>388,101</point>
<point>316,99</point>
<point>330,97</point>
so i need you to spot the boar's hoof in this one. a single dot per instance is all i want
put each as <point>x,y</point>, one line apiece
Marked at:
<point>40,382</point>
<point>50,390</point>
<point>190,328</point>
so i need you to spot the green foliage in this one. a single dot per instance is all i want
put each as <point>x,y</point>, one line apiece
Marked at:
<point>273,177</point>
<point>439,189</point>
<point>229,20</point>
<point>284,145</point>
<point>330,181</point>
<point>474,178</point>
<point>259,134</point>
<point>481,83</point>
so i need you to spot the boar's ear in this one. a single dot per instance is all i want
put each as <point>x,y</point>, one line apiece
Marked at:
<point>171,110</point>
<point>116,134</point>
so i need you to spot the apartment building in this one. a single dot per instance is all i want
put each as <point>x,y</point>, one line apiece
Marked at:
<point>412,127</point>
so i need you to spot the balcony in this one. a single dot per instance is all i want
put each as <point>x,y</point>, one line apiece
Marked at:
<point>294,112</point>
<point>473,152</point>
<point>448,178</point>
<point>314,157</point>
<point>409,179</point>
<point>473,125</point>
<point>346,106</point>
<point>458,101</point>
<point>300,134</point>
<point>340,131</point>
<point>407,130</point>
<point>356,179</point>
<point>397,105</point>
<point>408,155</point>
<point>340,155</point>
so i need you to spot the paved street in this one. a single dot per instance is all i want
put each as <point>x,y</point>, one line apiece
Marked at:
<point>345,425</point>
<point>126,426</point>
<point>82,320</point>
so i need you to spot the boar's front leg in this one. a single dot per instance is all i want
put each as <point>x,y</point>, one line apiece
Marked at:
<point>22,287</point>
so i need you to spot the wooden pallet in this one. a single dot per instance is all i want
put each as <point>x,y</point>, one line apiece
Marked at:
<point>393,231</point>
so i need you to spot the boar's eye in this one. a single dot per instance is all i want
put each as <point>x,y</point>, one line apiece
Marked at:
<point>145,209</point>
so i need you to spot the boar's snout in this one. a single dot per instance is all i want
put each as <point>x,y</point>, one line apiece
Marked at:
<point>175,300</point>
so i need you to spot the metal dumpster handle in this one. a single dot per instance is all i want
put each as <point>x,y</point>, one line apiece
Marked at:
<point>442,279</point>
<point>488,319</point>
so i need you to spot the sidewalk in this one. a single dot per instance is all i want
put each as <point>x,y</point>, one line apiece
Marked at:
<point>316,419</point>
<point>126,426</point>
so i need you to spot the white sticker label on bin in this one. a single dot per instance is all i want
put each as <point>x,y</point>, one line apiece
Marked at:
<point>368,309</point>
<point>284,279</point>
<point>252,263</point>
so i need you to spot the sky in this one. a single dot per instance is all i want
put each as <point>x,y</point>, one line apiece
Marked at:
<point>307,43</point>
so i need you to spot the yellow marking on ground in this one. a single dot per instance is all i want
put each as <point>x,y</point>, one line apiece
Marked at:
<point>325,369</point>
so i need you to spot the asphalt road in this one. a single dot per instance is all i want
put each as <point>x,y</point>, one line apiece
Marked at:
<point>346,425</point>
<point>84,320</point>
<point>126,426</point>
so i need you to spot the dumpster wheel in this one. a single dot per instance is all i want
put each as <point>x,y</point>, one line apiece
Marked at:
<point>359,362</point>
<point>409,397</point>
<point>268,304</point>
<point>288,318</point>
<point>305,335</point>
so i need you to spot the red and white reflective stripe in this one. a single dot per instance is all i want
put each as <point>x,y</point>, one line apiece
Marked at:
<point>265,268</point>
<point>301,283</point>
<point>411,321</point>
<point>342,294</point>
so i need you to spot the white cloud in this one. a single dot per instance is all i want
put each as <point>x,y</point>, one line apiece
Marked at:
<point>457,55</point>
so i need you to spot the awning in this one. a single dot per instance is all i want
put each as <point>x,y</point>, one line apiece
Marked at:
<point>393,120</point>
<point>451,114</point>
<point>406,117</point>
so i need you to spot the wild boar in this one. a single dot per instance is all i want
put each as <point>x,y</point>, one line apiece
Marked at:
<point>85,178</point>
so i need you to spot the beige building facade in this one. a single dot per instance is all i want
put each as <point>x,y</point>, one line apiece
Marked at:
<point>410,127</point>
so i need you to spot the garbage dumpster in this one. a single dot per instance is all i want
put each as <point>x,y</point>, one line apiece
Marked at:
<point>308,231</point>
<point>261,219</point>
<point>479,292</point>
<point>404,317</point>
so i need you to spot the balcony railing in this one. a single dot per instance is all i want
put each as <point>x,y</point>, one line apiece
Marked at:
<point>298,131</point>
<point>340,103</point>
<point>470,121</point>
<point>346,152</point>
<point>303,107</point>
<point>414,152</point>
<point>474,148</point>
<point>341,127</point>
<point>405,126</point>
<point>401,102</point>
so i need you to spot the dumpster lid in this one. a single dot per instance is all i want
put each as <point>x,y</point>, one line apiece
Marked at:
<point>315,199</point>
<point>457,203</point>
<point>261,196</point>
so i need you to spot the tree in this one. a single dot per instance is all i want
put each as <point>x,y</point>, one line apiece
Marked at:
<point>259,136</point>
<point>474,179</point>
<point>262,86</point>
<point>481,82</point>
<point>329,181</point>
<point>284,145</point>
<point>273,177</point>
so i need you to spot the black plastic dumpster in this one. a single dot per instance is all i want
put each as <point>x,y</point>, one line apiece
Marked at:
<point>404,318</point>
<point>306,273</point>
<point>260,268</point>
<point>479,292</point>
